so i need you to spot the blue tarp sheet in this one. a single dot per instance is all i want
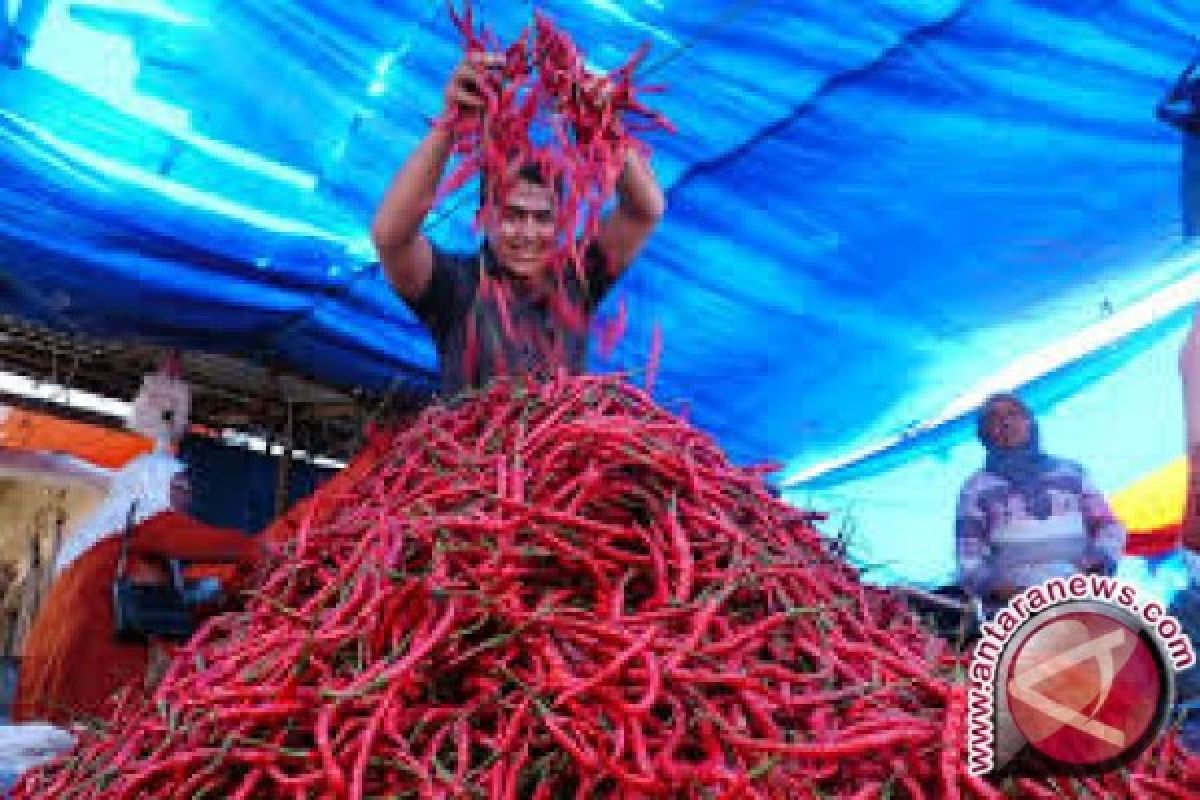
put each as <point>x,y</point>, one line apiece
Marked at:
<point>871,205</point>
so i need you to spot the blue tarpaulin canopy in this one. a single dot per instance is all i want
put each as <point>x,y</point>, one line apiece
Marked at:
<point>873,206</point>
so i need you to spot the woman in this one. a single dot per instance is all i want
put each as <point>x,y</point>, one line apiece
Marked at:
<point>1026,516</point>
<point>72,661</point>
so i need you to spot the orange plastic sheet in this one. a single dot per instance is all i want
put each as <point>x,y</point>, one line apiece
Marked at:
<point>104,447</point>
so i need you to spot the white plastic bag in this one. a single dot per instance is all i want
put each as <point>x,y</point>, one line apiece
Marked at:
<point>160,410</point>
<point>25,746</point>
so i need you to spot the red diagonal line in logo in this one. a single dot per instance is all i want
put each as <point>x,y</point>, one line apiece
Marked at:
<point>1099,649</point>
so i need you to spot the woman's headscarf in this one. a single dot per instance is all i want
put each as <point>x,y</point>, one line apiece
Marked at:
<point>1022,466</point>
<point>144,481</point>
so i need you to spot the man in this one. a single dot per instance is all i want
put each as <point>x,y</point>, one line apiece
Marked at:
<point>1186,604</point>
<point>1026,516</point>
<point>72,661</point>
<point>1189,369</point>
<point>498,311</point>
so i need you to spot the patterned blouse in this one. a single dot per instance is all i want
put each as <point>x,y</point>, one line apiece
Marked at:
<point>1000,544</point>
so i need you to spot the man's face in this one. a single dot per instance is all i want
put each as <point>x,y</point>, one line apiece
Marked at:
<point>181,492</point>
<point>522,233</point>
<point>1007,424</point>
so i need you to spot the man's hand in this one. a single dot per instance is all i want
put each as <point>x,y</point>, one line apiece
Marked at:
<point>406,255</point>
<point>596,90</point>
<point>464,91</point>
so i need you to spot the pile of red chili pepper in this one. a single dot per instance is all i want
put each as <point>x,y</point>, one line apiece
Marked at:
<point>548,591</point>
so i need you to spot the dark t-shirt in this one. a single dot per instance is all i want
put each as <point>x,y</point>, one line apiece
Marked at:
<point>485,326</point>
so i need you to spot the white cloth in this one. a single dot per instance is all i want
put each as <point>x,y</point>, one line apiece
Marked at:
<point>1068,525</point>
<point>146,481</point>
<point>23,747</point>
<point>1029,551</point>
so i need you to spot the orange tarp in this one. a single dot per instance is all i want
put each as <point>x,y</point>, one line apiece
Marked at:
<point>29,430</point>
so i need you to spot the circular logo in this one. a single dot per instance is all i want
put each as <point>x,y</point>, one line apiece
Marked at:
<point>1088,686</point>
